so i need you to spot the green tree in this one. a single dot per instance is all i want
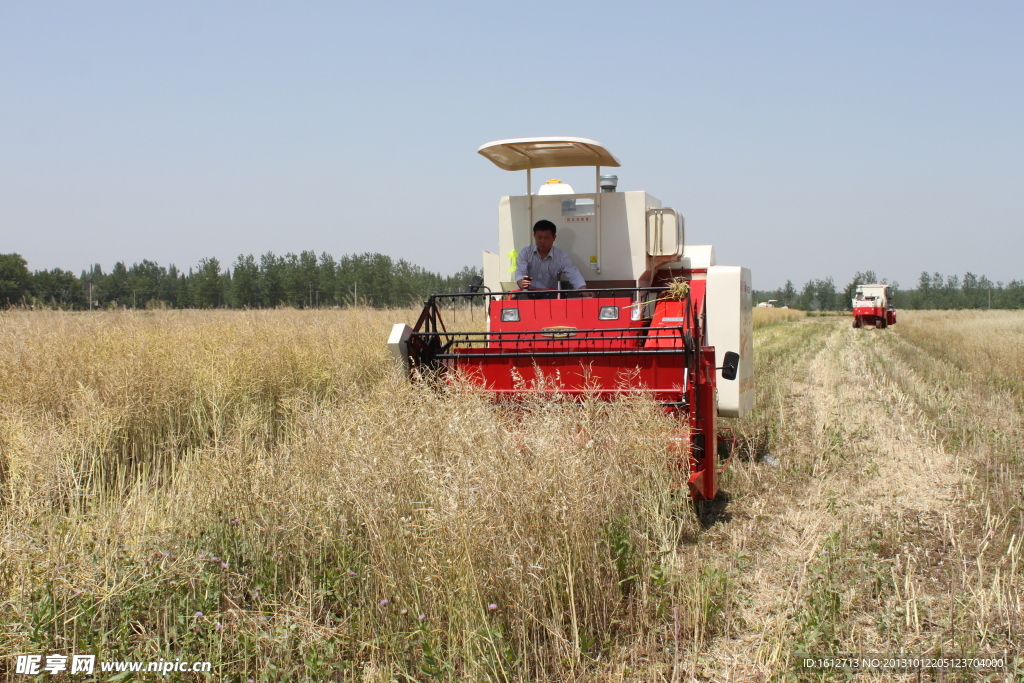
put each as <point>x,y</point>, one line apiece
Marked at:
<point>58,288</point>
<point>271,288</point>
<point>184,295</point>
<point>116,285</point>
<point>208,287</point>
<point>327,280</point>
<point>951,292</point>
<point>170,286</point>
<point>923,294</point>
<point>245,282</point>
<point>787,295</point>
<point>14,279</point>
<point>300,277</point>
<point>143,283</point>
<point>93,282</point>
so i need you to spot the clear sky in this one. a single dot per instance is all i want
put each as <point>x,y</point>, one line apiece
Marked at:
<point>802,139</point>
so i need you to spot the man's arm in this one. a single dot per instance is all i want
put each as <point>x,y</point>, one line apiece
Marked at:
<point>572,272</point>
<point>523,268</point>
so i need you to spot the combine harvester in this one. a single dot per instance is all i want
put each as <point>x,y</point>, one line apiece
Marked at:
<point>871,307</point>
<point>658,316</point>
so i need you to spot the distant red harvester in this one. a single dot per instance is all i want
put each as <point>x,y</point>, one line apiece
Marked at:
<point>871,307</point>
<point>657,317</point>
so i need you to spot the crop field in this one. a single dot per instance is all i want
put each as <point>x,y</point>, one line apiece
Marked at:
<point>264,491</point>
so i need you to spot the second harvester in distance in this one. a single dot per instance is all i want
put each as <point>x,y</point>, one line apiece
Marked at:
<point>871,307</point>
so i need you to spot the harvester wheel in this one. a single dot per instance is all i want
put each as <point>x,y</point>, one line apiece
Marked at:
<point>880,324</point>
<point>857,323</point>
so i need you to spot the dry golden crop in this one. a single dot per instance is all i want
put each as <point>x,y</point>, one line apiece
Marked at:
<point>269,485</point>
<point>773,316</point>
<point>265,491</point>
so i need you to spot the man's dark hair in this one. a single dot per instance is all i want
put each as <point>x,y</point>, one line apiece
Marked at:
<point>545,225</point>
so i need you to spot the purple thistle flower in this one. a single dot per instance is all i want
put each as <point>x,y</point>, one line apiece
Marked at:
<point>384,602</point>
<point>422,617</point>
<point>492,606</point>
<point>198,615</point>
<point>223,565</point>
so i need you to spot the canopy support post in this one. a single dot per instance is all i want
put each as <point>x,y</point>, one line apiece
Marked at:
<point>597,213</point>
<point>529,193</point>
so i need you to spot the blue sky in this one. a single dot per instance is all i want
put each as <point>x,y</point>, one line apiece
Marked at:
<point>802,139</point>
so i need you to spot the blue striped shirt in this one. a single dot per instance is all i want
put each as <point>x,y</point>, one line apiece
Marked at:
<point>544,272</point>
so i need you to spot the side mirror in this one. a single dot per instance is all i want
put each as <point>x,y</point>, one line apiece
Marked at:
<point>474,284</point>
<point>730,365</point>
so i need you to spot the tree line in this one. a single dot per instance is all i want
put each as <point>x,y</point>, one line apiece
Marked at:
<point>934,291</point>
<point>307,280</point>
<point>301,280</point>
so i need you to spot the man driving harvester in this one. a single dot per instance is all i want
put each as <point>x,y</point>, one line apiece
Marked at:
<point>539,265</point>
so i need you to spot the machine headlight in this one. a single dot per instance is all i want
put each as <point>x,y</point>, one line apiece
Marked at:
<point>608,313</point>
<point>510,315</point>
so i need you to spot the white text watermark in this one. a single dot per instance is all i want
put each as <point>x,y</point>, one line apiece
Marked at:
<point>32,665</point>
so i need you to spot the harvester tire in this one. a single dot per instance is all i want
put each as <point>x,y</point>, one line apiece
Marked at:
<point>857,323</point>
<point>881,324</point>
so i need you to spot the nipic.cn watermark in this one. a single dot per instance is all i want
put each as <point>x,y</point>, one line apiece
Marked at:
<point>32,665</point>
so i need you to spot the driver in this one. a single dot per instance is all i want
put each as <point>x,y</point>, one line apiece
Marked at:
<point>539,265</point>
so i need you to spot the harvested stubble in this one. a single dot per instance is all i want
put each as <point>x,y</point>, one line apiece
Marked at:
<point>892,521</point>
<point>263,490</point>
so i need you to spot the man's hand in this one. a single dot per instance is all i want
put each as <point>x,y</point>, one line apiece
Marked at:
<point>525,282</point>
<point>584,293</point>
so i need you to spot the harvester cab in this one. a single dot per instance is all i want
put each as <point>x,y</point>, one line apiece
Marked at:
<point>658,316</point>
<point>871,306</point>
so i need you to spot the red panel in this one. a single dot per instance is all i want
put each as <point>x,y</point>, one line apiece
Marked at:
<point>869,310</point>
<point>651,360</point>
<point>607,375</point>
<point>536,315</point>
<point>703,481</point>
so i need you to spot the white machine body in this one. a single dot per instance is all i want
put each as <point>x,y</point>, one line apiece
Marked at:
<point>871,295</point>
<point>616,239</point>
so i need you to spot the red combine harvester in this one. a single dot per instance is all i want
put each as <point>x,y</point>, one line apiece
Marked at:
<point>657,316</point>
<point>871,307</point>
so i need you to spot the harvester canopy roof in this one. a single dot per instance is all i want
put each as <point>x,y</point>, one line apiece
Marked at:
<point>528,153</point>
